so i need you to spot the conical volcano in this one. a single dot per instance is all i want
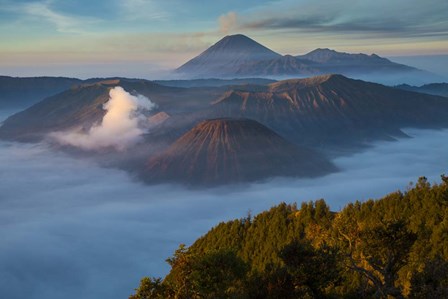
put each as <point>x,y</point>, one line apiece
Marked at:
<point>226,57</point>
<point>226,150</point>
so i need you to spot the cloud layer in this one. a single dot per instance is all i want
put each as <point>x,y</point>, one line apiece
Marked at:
<point>402,18</point>
<point>71,229</point>
<point>121,127</point>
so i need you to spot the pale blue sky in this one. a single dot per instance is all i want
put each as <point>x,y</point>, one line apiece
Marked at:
<point>141,37</point>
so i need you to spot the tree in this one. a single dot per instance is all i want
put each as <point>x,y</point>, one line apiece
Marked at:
<point>274,282</point>
<point>218,274</point>
<point>149,288</point>
<point>432,282</point>
<point>177,281</point>
<point>214,274</point>
<point>312,270</point>
<point>380,253</point>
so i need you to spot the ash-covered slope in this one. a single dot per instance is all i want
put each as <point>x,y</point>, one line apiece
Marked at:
<point>333,109</point>
<point>222,151</point>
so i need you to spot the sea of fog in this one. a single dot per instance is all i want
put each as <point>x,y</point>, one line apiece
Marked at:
<point>71,229</point>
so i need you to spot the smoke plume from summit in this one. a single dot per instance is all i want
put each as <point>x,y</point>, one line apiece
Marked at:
<point>121,126</point>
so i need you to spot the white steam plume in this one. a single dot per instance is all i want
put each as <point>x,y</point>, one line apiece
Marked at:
<point>228,22</point>
<point>121,127</point>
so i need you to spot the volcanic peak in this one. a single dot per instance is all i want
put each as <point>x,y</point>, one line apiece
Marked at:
<point>231,150</point>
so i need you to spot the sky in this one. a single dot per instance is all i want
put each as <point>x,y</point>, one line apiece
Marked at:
<point>144,38</point>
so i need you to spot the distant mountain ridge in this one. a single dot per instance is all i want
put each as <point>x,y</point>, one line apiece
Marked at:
<point>333,109</point>
<point>23,92</point>
<point>213,82</point>
<point>334,57</point>
<point>438,89</point>
<point>238,56</point>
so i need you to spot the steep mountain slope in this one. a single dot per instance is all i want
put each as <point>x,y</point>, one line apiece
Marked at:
<point>333,109</point>
<point>221,151</point>
<point>226,56</point>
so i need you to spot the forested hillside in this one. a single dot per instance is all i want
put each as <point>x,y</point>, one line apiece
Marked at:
<point>393,247</point>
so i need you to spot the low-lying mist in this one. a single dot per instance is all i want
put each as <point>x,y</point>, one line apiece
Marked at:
<point>71,229</point>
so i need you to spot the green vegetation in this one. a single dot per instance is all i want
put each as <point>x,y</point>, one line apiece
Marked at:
<point>394,247</point>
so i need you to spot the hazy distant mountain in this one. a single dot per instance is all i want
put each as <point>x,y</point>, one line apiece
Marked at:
<point>439,89</point>
<point>281,66</point>
<point>239,56</point>
<point>333,109</point>
<point>213,82</point>
<point>323,61</point>
<point>225,58</point>
<point>222,151</point>
<point>23,92</point>
<point>331,61</point>
<point>339,58</point>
